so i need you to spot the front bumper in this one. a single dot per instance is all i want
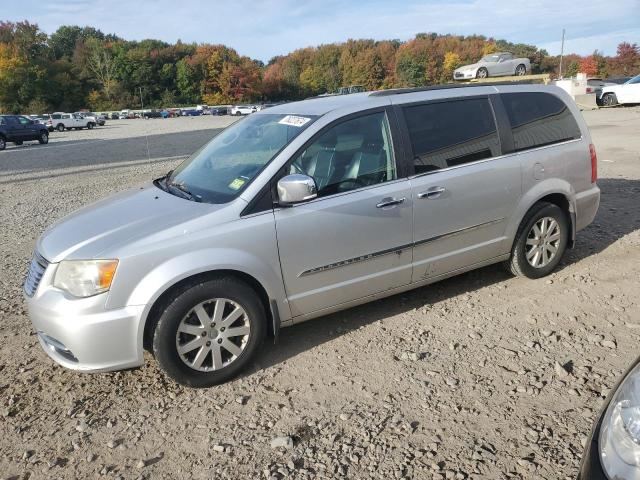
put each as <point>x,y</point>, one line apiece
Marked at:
<point>81,334</point>
<point>464,75</point>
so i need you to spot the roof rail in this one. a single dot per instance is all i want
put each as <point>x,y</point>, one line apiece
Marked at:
<point>398,91</point>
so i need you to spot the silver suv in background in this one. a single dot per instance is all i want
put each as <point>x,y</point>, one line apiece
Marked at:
<point>308,208</point>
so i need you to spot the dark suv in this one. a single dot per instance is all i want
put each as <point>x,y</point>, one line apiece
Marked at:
<point>17,129</point>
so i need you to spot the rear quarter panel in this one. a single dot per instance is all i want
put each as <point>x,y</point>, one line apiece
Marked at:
<point>563,168</point>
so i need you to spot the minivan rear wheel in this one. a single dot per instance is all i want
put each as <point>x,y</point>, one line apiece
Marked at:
<point>540,242</point>
<point>209,332</point>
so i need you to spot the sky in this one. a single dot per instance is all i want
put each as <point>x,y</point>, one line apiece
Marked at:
<point>262,29</point>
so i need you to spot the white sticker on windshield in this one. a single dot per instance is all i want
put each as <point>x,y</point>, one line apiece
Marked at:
<point>294,120</point>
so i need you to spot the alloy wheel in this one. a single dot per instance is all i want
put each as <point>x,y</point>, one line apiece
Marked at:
<point>213,334</point>
<point>543,241</point>
<point>521,70</point>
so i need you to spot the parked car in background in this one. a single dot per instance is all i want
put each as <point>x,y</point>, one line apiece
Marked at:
<point>62,121</point>
<point>494,65</point>
<point>223,110</point>
<point>37,118</point>
<point>147,114</point>
<point>203,108</point>
<point>350,89</point>
<point>91,117</point>
<point>101,119</point>
<point>243,109</point>
<point>309,208</point>
<point>19,129</point>
<point>625,94</point>
<point>48,121</point>
<point>174,112</point>
<point>190,112</point>
<point>115,116</point>
<point>613,447</point>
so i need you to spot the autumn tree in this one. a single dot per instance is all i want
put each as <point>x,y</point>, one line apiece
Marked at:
<point>102,65</point>
<point>627,60</point>
<point>589,66</point>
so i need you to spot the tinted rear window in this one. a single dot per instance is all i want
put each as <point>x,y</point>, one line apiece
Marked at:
<point>446,134</point>
<point>539,119</point>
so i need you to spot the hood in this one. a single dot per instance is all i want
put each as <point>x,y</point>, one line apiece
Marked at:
<point>468,67</point>
<point>125,217</point>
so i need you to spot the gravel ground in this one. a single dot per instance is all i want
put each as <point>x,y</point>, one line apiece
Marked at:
<point>480,376</point>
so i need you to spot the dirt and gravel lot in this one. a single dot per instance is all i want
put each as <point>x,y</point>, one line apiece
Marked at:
<point>480,376</point>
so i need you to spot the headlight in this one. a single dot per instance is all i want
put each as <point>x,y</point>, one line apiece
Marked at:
<point>619,440</point>
<point>83,278</point>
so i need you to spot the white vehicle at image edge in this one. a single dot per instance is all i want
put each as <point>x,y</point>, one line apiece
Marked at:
<point>243,109</point>
<point>308,208</point>
<point>62,121</point>
<point>494,65</point>
<point>627,93</point>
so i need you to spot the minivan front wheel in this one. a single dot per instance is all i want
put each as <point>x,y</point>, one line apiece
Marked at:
<point>541,241</point>
<point>209,332</point>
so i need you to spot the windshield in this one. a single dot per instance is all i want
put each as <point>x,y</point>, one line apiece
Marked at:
<point>225,166</point>
<point>490,58</point>
<point>635,79</point>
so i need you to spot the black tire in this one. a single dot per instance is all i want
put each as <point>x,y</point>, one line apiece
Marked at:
<point>90,125</point>
<point>60,127</point>
<point>43,138</point>
<point>165,334</point>
<point>18,142</point>
<point>609,99</point>
<point>521,70</point>
<point>518,263</point>
<point>69,129</point>
<point>3,143</point>
<point>482,73</point>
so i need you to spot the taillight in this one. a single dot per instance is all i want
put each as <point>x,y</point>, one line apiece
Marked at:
<point>589,89</point>
<point>594,163</point>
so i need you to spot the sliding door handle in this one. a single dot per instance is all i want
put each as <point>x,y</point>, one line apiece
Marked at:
<point>433,192</point>
<point>390,201</point>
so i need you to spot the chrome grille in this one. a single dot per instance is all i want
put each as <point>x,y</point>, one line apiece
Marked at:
<point>36,270</point>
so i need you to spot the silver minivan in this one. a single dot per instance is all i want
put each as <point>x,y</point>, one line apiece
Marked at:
<point>308,208</point>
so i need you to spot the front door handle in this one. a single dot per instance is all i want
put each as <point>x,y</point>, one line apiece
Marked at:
<point>390,201</point>
<point>433,192</point>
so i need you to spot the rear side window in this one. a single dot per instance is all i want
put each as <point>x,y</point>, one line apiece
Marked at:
<point>447,134</point>
<point>538,119</point>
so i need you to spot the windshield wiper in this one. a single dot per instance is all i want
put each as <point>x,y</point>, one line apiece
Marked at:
<point>181,187</point>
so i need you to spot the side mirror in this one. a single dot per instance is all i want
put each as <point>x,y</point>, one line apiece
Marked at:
<point>296,188</point>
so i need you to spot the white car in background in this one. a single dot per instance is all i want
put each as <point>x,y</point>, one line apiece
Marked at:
<point>243,109</point>
<point>494,65</point>
<point>628,92</point>
<point>62,121</point>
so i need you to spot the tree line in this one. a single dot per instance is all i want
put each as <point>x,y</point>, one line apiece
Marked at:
<point>81,67</point>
